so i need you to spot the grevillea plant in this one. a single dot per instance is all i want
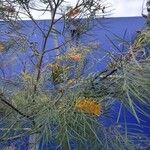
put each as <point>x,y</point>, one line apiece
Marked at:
<point>51,100</point>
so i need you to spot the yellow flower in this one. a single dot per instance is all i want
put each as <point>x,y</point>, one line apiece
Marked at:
<point>74,57</point>
<point>57,71</point>
<point>2,47</point>
<point>74,49</point>
<point>71,82</point>
<point>88,106</point>
<point>53,66</point>
<point>26,76</point>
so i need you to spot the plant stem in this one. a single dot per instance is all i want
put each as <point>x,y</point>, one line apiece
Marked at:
<point>3,99</point>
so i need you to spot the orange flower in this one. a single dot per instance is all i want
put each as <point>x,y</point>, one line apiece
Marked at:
<point>88,106</point>
<point>73,12</point>
<point>74,57</point>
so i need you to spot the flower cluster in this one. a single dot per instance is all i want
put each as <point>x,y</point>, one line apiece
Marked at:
<point>2,47</point>
<point>88,106</point>
<point>74,57</point>
<point>73,12</point>
<point>26,76</point>
<point>53,66</point>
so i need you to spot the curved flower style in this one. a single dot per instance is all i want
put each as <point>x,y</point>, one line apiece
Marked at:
<point>88,106</point>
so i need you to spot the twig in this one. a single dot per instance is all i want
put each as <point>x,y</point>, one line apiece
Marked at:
<point>3,99</point>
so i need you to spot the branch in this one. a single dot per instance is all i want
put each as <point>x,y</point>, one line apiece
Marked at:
<point>44,46</point>
<point>3,99</point>
<point>107,75</point>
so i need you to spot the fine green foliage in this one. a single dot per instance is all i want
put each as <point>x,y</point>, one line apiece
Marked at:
<point>142,39</point>
<point>53,101</point>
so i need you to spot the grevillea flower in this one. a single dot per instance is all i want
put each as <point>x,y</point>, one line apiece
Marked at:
<point>72,82</point>
<point>74,49</point>
<point>26,76</point>
<point>88,106</point>
<point>74,57</point>
<point>53,66</point>
<point>73,12</point>
<point>2,47</point>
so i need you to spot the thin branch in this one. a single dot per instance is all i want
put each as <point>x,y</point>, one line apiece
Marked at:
<point>3,99</point>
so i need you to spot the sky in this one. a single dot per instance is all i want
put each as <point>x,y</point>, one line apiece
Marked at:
<point>120,8</point>
<point>125,8</point>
